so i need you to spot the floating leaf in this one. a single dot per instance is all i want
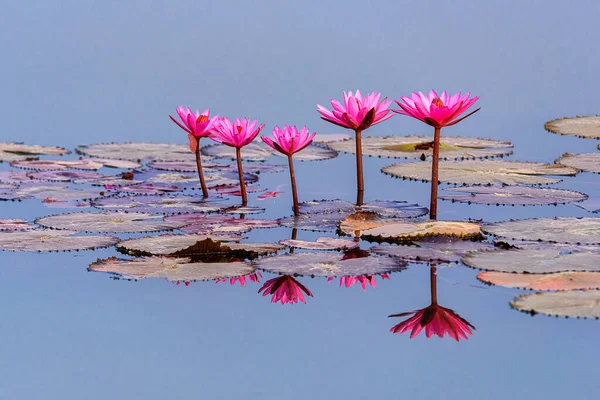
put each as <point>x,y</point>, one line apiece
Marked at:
<point>57,165</point>
<point>533,261</point>
<point>109,222</point>
<point>222,224</point>
<point>512,195</point>
<point>312,153</point>
<point>64,176</point>
<point>213,179</point>
<point>243,210</point>
<point>234,190</point>
<point>313,222</point>
<point>176,166</point>
<point>172,269</point>
<point>7,224</point>
<point>591,205</point>
<point>261,152</point>
<point>322,243</point>
<point>57,192</point>
<point>325,264</point>
<point>584,127</point>
<point>322,138</point>
<point>582,162</point>
<point>574,304</point>
<point>560,230</point>
<point>45,240</point>
<point>138,151</point>
<point>14,177</point>
<point>387,208</point>
<point>164,204</point>
<point>486,172</point>
<point>149,188</point>
<point>507,244</point>
<point>18,151</point>
<point>422,146</point>
<point>441,249</point>
<point>555,281</point>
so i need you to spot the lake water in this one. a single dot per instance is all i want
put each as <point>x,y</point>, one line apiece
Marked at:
<point>85,72</point>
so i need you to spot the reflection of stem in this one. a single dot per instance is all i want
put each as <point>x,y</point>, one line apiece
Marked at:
<point>238,153</point>
<point>434,174</point>
<point>360,185</point>
<point>294,190</point>
<point>294,234</point>
<point>433,283</point>
<point>199,166</point>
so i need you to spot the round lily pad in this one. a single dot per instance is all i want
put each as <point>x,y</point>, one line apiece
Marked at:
<point>57,165</point>
<point>7,224</point>
<point>386,208</point>
<point>321,138</point>
<point>556,281</point>
<point>322,243</point>
<point>583,162</point>
<point>326,264</point>
<point>164,204</point>
<point>439,249</point>
<point>584,127</point>
<point>190,180</point>
<point>573,304</point>
<point>261,152</point>
<point>486,172</point>
<point>533,261</point>
<point>591,205</point>
<point>312,153</point>
<point>560,230</point>
<point>242,210</point>
<point>138,151</point>
<point>19,151</point>
<point>512,195</point>
<point>508,244</point>
<point>313,222</point>
<point>149,188</point>
<point>172,269</point>
<point>109,222</point>
<point>64,176</point>
<point>221,224</point>
<point>451,147</point>
<point>45,240</point>
<point>46,191</point>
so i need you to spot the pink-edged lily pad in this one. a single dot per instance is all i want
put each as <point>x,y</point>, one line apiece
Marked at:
<point>18,151</point>
<point>439,249</point>
<point>48,240</point>
<point>559,230</point>
<point>163,204</point>
<point>386,208</point>
<point>556,281</point>
<point>512,195</point>
<point>570,304</point>
<point>322,243</point>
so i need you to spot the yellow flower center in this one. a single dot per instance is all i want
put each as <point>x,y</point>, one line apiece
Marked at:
<point>438,102</point>
<point>202,118</point>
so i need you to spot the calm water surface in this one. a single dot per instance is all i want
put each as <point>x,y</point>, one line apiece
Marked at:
<point>77,72</point>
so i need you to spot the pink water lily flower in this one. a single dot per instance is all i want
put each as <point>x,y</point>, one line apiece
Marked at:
<point>284,289</point>
<point>435,319</point>
<point>437,111</point>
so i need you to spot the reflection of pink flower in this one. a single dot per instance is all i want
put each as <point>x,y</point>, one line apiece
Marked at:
<point>285,289</point>
<point>236,134</point>
<point>255,277</point>
<point>436,320</point>
<point>434,110</point>
<point>289,140</point>
<point>357,112</point>
<point>364,280</point>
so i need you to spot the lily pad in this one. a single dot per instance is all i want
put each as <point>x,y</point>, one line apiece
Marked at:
<point>326,264</point>
<point>584,127</point>
<point>57,165</point>
<point>560,230</point>
<point>386,208</point>
<point>149,188</point>
<point>221,224</point>
<point>322,243</point>
<point>313,222</point>
<point>440,249</point>
<point>7,224</point>
<point>583,162</point>
<point>138,151</point>
<point>512,195</point>
<point>573,304</point>
<point>261,152</point>
<point>19,151</point>
<point>533,261</point>
<point>164,204</point>
<point>185,180</point>
<point>243,210</point>
<point>65,176</point>
<point>556,281</point>
<point>591,205</point>
<point>312,153</point>
<point>322,138</point>
<point>486,172</point>
<point>45,240</point>
<point>451,147</point>
<point>172,269</point>
<point>57,192</point>
<point>109,222</point>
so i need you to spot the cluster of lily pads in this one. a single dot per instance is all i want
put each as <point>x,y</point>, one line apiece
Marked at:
<point>151,189</point>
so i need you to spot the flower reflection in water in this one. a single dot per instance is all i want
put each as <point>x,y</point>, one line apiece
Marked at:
<point>285,289</point>
<point>364,280</point>
<point>435,319</point>
<point>255,277</point>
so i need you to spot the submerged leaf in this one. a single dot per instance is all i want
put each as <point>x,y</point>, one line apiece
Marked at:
<point>574,304</point>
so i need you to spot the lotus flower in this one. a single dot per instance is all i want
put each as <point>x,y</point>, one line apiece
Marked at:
<point>357,113</point>
<point>197,126</point>
<point>437,111</point>
<point>285,289</point>
<point>289,141</point>
<point>237,134</point>
<point>255,277</point>
<point>436,320</point>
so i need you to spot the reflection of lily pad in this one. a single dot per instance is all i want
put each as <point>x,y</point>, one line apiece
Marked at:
<point>533,261</point>
<point>451,147</point>
<point>18,151</point>
<point>326,264</point>
<point>7,224</point>
<point>138,151</point>
<point>583,162</point>
<point>323,243</point>
<point>313,222</point>
<point>486,172</point>
<point>386,208</point>
<point>45,240</point>
<point>585,127</point>
<point>439,249</point>
<point>512,195</point>
<point>172,269</point>
<point>261,152</point>
<point>574,304</point>
<point>164,204</point>
<point>555,281</point>
<point>560,230</point>
<point>109,222</point>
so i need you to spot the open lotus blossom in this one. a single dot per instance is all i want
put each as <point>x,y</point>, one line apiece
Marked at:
<point>288,141</point>
<point>236,134</point>
<point>197,126</point>
<point>358,113</point>
<point>437,111</point>
<point>255,277</point>
<point>364,280</point>
<point>284,289</point>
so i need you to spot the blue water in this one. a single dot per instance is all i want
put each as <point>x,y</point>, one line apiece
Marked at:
<point>76,72</point>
